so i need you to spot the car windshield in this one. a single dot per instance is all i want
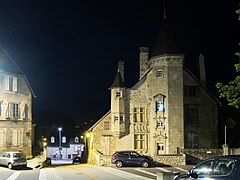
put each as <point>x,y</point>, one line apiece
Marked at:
<point>204,168</point>
<point>223,167</point>
<point>211,167</point>
<point>18,155</point>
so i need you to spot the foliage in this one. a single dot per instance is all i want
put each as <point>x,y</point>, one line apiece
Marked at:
<point>231,91</point>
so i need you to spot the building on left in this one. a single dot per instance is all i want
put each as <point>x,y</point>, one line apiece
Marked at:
<point>16,125</point>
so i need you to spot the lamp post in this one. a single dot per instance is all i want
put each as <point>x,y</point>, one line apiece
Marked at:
<point>60,148</point>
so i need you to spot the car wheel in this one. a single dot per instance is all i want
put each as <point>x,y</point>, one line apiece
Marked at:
<point>145,164</point>
<point>10,166</point>
<point>119,164</point>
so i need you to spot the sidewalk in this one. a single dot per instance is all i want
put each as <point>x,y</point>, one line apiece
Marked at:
<point>35,162</point>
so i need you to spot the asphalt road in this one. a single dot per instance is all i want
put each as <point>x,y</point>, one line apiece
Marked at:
<point>86,172</point>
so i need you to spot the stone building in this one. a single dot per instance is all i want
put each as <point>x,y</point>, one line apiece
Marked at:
<point>16,128</point>
<point>167,110</point>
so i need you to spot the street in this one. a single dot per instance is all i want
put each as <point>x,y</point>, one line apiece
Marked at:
<point>86,172</point>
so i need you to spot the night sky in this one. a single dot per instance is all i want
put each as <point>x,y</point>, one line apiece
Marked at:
<point>69,49</point>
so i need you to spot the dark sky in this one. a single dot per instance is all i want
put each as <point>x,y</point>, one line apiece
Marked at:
<point>69,49</point>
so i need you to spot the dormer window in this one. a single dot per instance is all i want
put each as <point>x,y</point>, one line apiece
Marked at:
<point>119,94</point>
<point>76,140</point>
<point>64,139</point>
<point>52,139</point>
<point>10,83</point>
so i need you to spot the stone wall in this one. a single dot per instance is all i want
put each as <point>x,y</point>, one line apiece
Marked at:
<point>171,159</point>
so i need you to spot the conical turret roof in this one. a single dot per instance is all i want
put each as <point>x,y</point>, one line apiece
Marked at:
<point>118,81</point>
<point>165,42</point>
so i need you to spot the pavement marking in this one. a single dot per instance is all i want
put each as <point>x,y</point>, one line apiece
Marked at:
<point>162,169</point>
<point>143,171</point>
<point>126,175</point>
<point>14,175</point>
<point>42,174</point>
<point>181,169</point>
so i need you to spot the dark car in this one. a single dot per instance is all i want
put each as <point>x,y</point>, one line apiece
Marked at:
<point>77,159</point>
<point>48,161</point>
<point>222,167</point>
<point>131,158</point>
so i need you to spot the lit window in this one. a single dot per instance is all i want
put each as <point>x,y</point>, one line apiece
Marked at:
<point>76,140</point>
<point>160,106</point>
<point>64,139</point>
<point>52,139</point>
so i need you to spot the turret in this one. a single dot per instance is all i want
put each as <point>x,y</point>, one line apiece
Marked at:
<point>118,103</point>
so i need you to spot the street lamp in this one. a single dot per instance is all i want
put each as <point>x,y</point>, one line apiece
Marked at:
<point>60,148</point>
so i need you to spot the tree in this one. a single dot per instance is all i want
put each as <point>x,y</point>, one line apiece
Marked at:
<point>231,91</point>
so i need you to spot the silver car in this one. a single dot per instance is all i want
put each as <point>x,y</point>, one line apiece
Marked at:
<point>13,159</point>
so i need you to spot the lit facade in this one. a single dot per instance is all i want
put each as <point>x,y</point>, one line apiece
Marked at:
<point>16,128</point>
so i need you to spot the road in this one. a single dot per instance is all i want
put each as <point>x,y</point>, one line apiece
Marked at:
<point>86,172</point>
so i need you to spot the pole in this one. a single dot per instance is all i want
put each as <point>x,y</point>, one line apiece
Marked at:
<point>225,135</point>
<point>60,148</point>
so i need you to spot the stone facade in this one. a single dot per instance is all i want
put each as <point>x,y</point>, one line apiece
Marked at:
<point>166,110</point>
<point>16,128</point>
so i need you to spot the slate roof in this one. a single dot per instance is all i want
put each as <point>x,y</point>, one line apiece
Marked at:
<point>118,81</point>
<point>165,41</point>
<point>9,66</point>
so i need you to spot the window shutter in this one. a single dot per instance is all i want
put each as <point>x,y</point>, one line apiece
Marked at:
<point>1,108</point>
<point>7,114</point>
<point>14,137</point>
<point>23,108</point>
<point>6,83</point>
<point>20,137</point>
<point>2,139</point>
<point>15,84</point>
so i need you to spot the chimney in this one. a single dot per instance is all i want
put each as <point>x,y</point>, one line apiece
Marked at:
<point>202,72</point>
<point>143,61</point>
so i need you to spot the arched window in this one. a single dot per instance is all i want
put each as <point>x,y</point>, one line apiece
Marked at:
<point>76,140</point>
<point>52,139</point>
<point>64,139</point>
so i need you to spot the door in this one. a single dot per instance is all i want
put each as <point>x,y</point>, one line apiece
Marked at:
<point>160,148</point>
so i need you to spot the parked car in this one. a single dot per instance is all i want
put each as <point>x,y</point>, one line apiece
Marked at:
<point>77,159</point>
<point>131,158</point>
<point>13,159</point>
<point>222,167</point>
